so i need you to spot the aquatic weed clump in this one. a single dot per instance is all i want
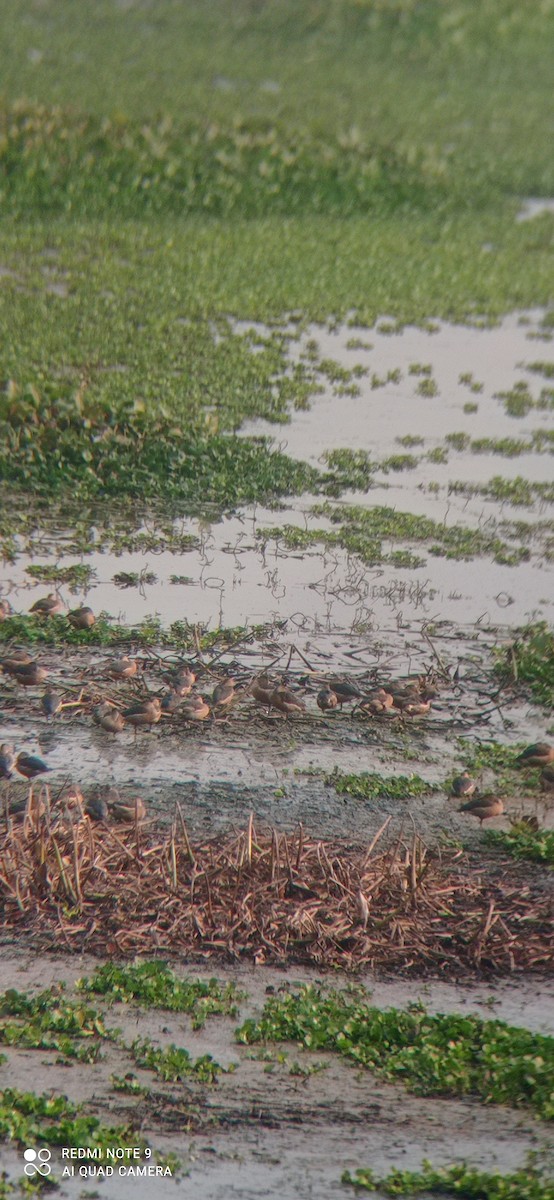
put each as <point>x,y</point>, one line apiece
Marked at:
<point>57,439</point>
<point>447,1054</point>
<point>53,160</point>
<point>459,1180</point>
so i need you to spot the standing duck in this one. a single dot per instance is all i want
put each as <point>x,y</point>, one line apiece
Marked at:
<point>47,606</point>
<point>483,807</point>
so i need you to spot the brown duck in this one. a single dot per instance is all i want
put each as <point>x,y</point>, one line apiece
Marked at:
<point>540,754</point>
<point>327,699</point>
<point>483,807</point>
<point>286,701</point>
<point>109,718</point>
<point>81,618</point>
<point>463,785</point>
<point>122,668</point>
<point>47,606</point>
<point>223,693</point>
<point>146,714</point>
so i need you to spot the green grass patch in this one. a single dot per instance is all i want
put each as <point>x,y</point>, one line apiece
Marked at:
<point>523,842</point>
<point>493,756</point>
<point>173,1064</point>
<point>362,531</point>
<point>27,1118</point>
<point>518,491</point>
<point>370,786</point>
<point>56,631</point>
<point>49,1021</point>
<point>449,1055</point>
<point>155,985</point>
<point>530,661</point>
<point>57,439</point>
<point>459,1180</point>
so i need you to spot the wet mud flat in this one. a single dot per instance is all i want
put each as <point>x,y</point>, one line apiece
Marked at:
<point>287,1121</point>
<point>249,759</point>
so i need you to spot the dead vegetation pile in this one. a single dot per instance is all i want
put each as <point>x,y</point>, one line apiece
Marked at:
<point>270,897</point>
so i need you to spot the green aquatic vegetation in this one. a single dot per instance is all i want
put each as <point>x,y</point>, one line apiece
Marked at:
<point>27,1118</point>
<point>437,455</point>
<point>173,1064</point>
<point>357,343</point>
<point>349,469</point>
<point>371,786</point>
<point>49,1021</point>
<point>518,401</point>
<point>529,660</point>
<point>427,388</point>
<point>155,985</point>
<point>399,462</point>
<point>470,407</point>
<point>541,368</point>
<point>420,369</point>
<point>493,756</point>
<point>468,381</point>
<point>133,579</point>
<point>458,441</point>
<point>150,632</point>
<point>459,1180</point>
<point>410,439</point>
<point>518,491</point>
<point>521,841</point>
<point>54,161</point>
<point>77,577</point>
<point>507,447</point>
<point>451,1055</point>
<point>363,530</point>
<point>392,376</point>
<point>56,440</point>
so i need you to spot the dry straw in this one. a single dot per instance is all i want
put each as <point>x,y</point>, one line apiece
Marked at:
<point>266,895</point>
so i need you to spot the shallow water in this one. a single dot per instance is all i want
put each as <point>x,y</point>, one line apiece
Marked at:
<point>237,577</point>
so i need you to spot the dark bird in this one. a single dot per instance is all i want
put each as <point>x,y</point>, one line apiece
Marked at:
<point>327,699</point>
<point>51,704</point>
<point>96,808</point>
<point>29,765</point>
<point>262,689</point>
<point>540,754</point>
<point>483,807</point>
<point>223,693</point>
<point>147,713</point>
<point>7,761</point>
<point>47,606</point>
<point>345,691</point>
<point>81,618</point>
<point>171,702</point>
<point>463,785</point>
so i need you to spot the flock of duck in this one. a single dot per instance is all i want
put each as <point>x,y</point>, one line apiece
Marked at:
<point>393,700</point>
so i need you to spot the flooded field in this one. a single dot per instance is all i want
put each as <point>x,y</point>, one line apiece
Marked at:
<point>456,425</point>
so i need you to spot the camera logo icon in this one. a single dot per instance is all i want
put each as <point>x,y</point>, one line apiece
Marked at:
<point>37,1162</point>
